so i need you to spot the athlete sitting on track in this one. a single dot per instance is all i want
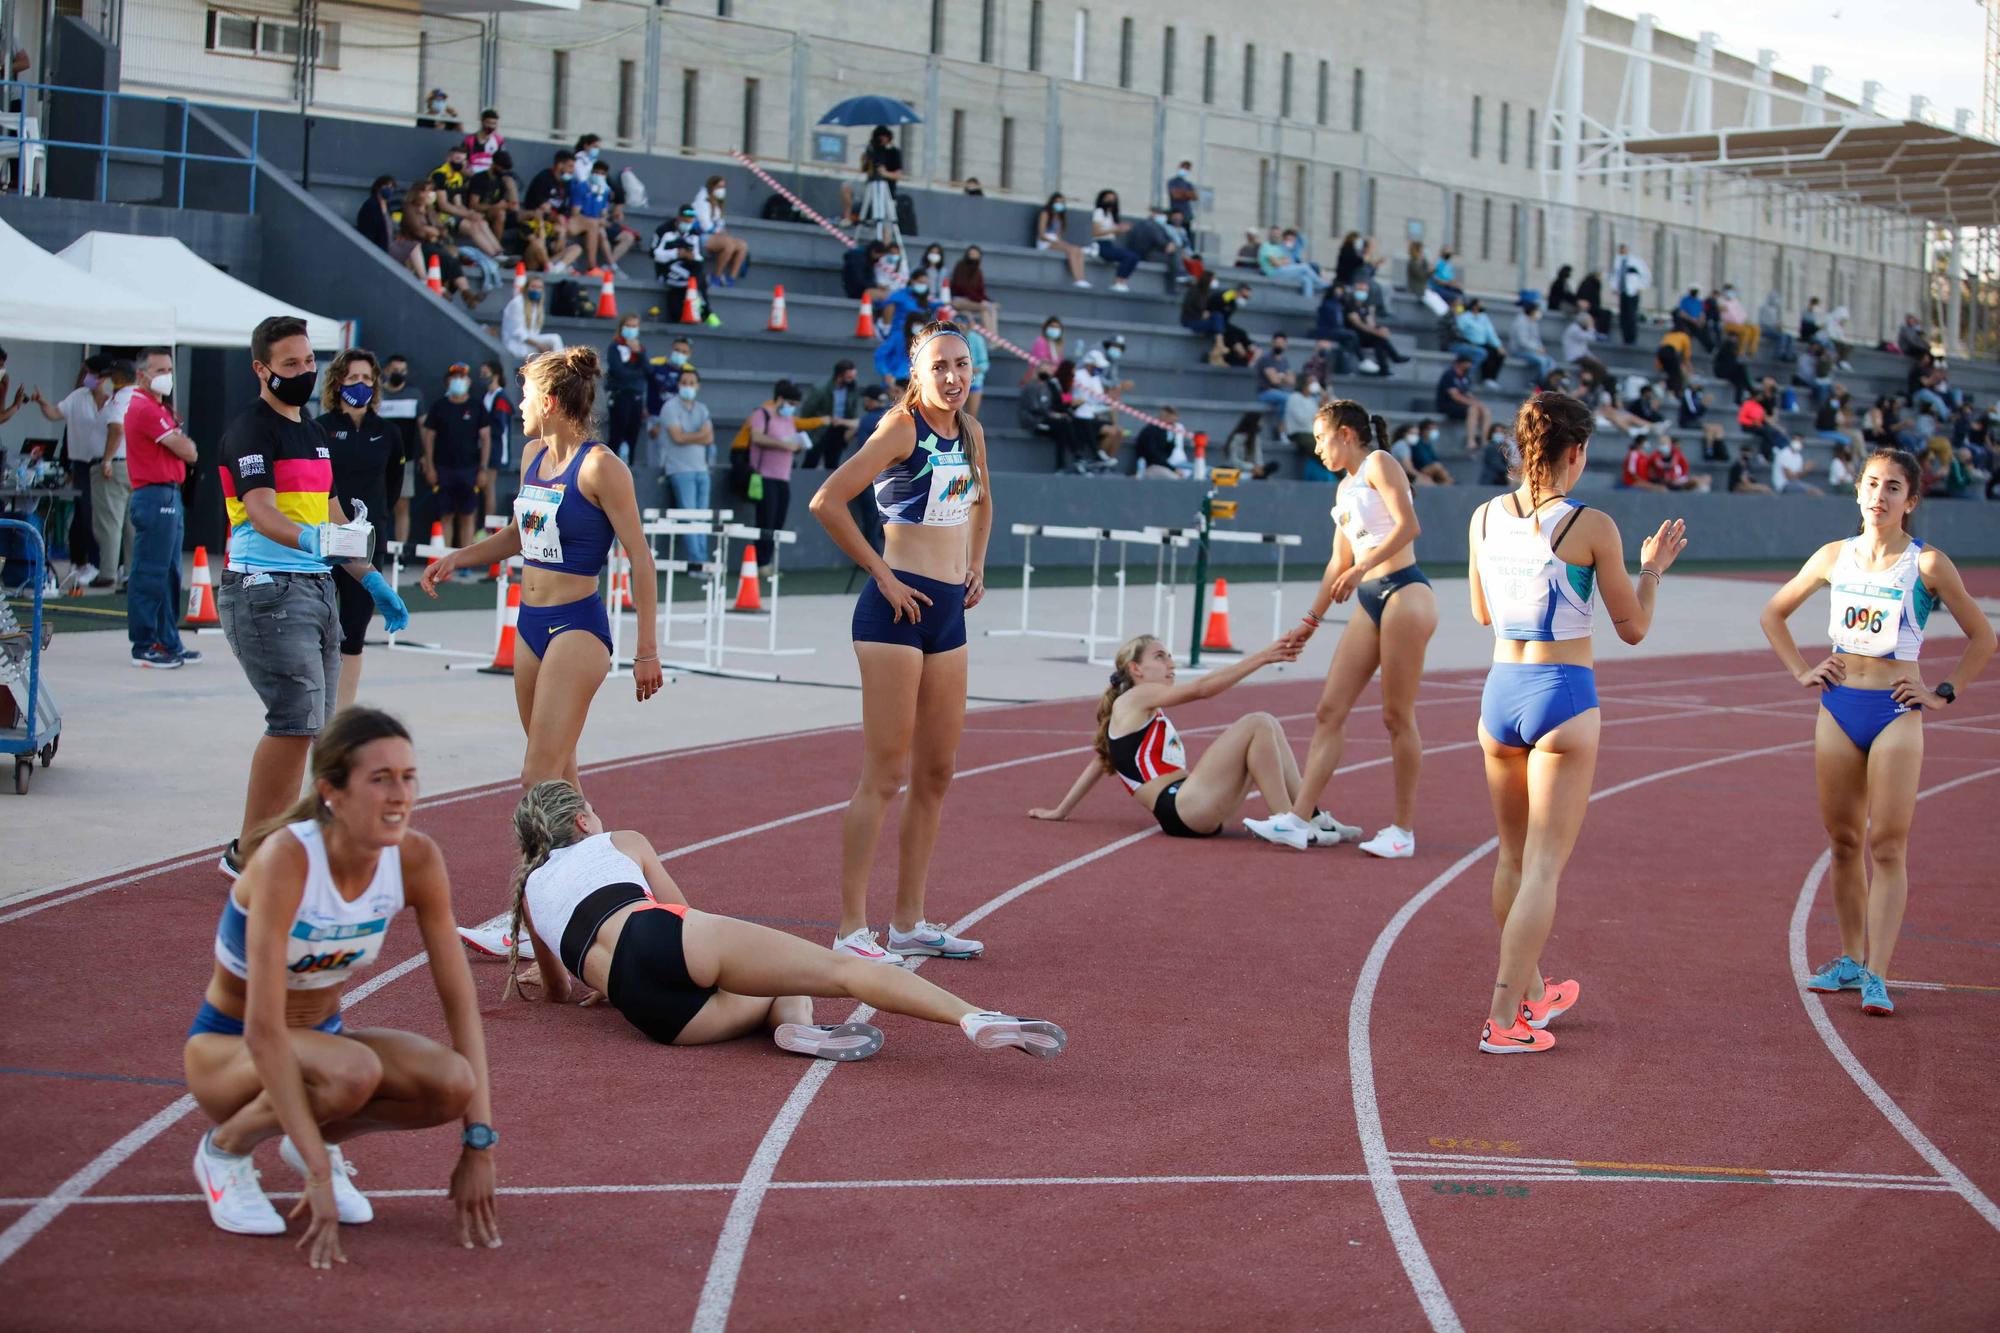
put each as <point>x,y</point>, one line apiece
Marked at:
<point>1868,744</point>
<point>268,1054</point>
<point>687,978</point>
<point>1536,557</point>
<point>1137,742</point>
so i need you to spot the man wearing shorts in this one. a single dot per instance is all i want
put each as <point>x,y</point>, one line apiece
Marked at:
<point>457,440</point>
<point>277,602</point>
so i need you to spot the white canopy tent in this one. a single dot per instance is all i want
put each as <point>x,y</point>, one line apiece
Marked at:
<point>212,309</point>
<point>49,301</point>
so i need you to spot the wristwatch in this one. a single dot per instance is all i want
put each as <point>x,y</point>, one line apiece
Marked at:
<point>479,1137</point>
<point>1944,691</point>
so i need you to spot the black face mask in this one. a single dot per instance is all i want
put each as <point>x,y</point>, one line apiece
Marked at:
<point>294,390</point>
<point>396,378</point>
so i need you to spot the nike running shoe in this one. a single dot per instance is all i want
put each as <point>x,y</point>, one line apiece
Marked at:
<point>1875,994</point>
<point>236,1201</point>
<point>1843,973</point>
<point>1284,828</point>
<point>1327,830</point>
<point>492,942</point>
<point>1393,843</point>
<point>1557,996</point>
<point>829,1041</point>
<point>349,1202</point>
<point>930,940</point>
<point>990,1031</point>
<point>863,944</point>
<point>1517,1040</point>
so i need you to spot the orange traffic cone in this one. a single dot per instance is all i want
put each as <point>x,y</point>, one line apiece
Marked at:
<point>1201,455</point>
<point>747,597</point>
<point>607,298</point>
<point>201,594</point>
<point>520,277</point>
<point>435,280</point>
<point>690,307</point>
<point>944,294</point>
<point>621,582</point>
<point>777,322</point>
<point>864,323</point>
<point>1216,637</point>
<point>503,649</point>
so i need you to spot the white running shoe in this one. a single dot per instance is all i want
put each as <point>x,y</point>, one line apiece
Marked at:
<point>1392,844</point>
<point>863,944</point>
<point>1328,831</point>
<point>493,942</point>
<point>930,940</point>
<point>349,1202</point>
<point>1284,828</point>
<point>236,1201</point>
<point>829,1041</point>
<point>1081,282</point>
<point>1037,1037</point>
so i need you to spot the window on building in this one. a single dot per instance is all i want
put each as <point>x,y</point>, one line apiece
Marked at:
<point>957,163</point>
<point>1531,144</point>
<point>1514,233</point>
<point>1458,223</point>
<point>1355,115</point>
<point>1325,77</point>
<point>1124,53</point>
<point>1368,206</point>
<point>1541,237</point>
<point>1333,208</point>
<point>690,103</point>
<point>1167,62</point>
<point>1249,76</point>
<point>1208,71</point>
<point>1285,86</point>
<point>750,89</point>
<point>1299,197</point>
<point>1035,35</point>
<point>1506,129</point>
<point>722,8</point>
<point>1006,152</point>
<point>937,27</point>
<point>268,39</point>
<point>628,80</point>
<point>1080,49</point>
<point>1263,191</point>
<point>986,19</point>
<point>1478,107</point>
<point>1486,229</point>
<point>559,92</point>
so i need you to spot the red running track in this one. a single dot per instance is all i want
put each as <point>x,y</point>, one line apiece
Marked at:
<point>1237,1132</point>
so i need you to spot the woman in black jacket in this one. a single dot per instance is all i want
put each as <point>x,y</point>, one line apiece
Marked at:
<point>374,220</point>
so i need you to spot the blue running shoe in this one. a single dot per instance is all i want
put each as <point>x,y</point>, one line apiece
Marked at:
<point>1843,973</point>
<point>1875,995</point>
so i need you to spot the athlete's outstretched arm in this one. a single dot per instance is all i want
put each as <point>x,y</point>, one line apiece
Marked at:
<point>1941,576</point>
<point>1779,609</point>
<point>1092,771</point>
<point>1631,606</point>
<point>1149,697</point>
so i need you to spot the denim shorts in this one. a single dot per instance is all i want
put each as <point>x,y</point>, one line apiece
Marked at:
<point>285,630</point>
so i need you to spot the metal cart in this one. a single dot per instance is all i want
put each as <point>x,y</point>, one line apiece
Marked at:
<point>33,722</point>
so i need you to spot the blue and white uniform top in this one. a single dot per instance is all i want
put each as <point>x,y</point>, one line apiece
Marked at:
<point>331,940</point>
<point>932,487</point>
<point>1878,613</point>
<point>561,528</point>
<point>1530,592</point>
<point>1362,514</point>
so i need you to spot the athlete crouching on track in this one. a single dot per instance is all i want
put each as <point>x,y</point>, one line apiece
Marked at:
<point>268,1054</point>
<point>1136,741</point>
<point>1535,557</point>
<point>688,978</point>
<point>1868,745</point>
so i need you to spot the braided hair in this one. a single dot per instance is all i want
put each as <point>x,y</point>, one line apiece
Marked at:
<point>543,821</point>
<point>1121,681</point>
<point>1547,428</point>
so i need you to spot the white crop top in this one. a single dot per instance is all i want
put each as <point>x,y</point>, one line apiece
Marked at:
<point>571,874</point>
<point>1362,513</point>
<point>1878,613</point>
<point>331,939</point>
<point>1530,592</point>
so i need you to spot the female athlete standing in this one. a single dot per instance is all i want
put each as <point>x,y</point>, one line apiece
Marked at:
<point>1535,558</point>
<point>268,1053</point>
<point>1374,561</point>
<point>366,452</point>
<point>927,463</point>
<point>1868,744</point>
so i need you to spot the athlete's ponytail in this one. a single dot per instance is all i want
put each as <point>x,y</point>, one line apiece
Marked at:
<point>1381,426</point>
<point>1121,681</point>
<point>543,821</point>
<point>333,754</point>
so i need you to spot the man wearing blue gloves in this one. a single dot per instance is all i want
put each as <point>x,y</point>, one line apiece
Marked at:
<point>286,533</point>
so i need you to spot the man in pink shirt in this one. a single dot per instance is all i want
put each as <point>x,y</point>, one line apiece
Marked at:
<point>157,454</point>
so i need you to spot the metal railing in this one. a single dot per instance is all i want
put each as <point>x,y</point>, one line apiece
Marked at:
<point>47,94</point>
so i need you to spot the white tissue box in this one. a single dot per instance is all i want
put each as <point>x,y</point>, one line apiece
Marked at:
<point>352,540</point>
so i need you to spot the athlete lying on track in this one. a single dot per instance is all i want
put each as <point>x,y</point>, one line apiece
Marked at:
<point>687,978</point>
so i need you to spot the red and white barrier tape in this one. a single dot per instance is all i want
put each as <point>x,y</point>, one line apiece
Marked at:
<point>793,199</point>
<point>1112,403</point>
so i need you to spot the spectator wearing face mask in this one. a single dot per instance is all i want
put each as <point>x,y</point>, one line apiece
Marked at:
<point>1444,278</point>
<point>1455,401</point>
<point>982,361</point>
<point>679,264</point>
<point>421,237</point>
<point>1183,193</point>
<point>449,180</point>
<point>931,266</point>
<point>157,452</point>
<point>726,252</point>
<point>625,386</point>
<point>1478,340</point>
<point>684,436</point>
<point>1430,469</point>
<point>1498,460</point>
<point>1637,473</point>
<point>500,418</point>
<point>456,440</point>
<point>1333,341</point>
<point>1736,320</point>
<point>521,331</point>
<point>1234,346</point>
<point>1107,234</point>
<point>366,451</point>
<point>1154,446</point>
<point>857,273</point>
<point>1276,261</point>
<point>1091,404</point>
<point>590,201</point>
<point>1670,466</point>
<point>839,402</point>
<point>481,145</point>
<point>774,442</point>
<point>398,403</point>
<point>376,219</point>
<point>663,374</point>
<point>973,189</point>
<point>439,113</point>
<point>1524,339</point>
<point>1049,235</point>
<point>968,290</point>
<point>1272,380</point>
<point>1048,351</point>
<point>905,312</point>
<point>1378,353</point>
<point>546,211</point>
<point>1151,237</point>
<point>496,196</point>
<point>1301,405</point>
<point>82,413</point>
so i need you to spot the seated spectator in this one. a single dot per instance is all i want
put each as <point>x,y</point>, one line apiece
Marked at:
<point>837,405</point>
<point>1928,386</point>
<point>1789,468</point>
<point>1590,292</point>
<point>1581,335</point>
<point>1156,447</point>
<point>1196,317</point>
<point>1149,238</point>
<point>461,222</point>
<point>1301,405</point>
<point>376,219</point>
<point>1183,193</point>
<point>1690,316</point>
<point>521,332</point>
<point>1478,339</point>
<point>1814,370</point>
<point>982,360</point>
<point>1693,412</point>
<point>1911,340</point>
<point>1637,474</point>
<point>1736,320</point>
<point>617,235</point>
<point>1049,235</point>
<point>968,290</point>
<point>1093,394</point>
<point>1244,446</point>
<point>590,198</point>
<point>1041,411</point>
<point>496,196</point>
<point>1771,324</point>
<point>1809,321</point>
<point>683,438</point>
<point>420,238</point>
<point>1840,468</point>
<point>1424,460</point>
<point>439,113</point>
<point>1834,421</point>
<point>1498,459</point>
<point>857,272</point>
<point>1561,298</point>
<point>889,274</point>
<point>1048,351</point>
<point>932,267</point>
<point>1272,380</point>
<point>1377,352</point>
<point>1598,395</point>
<point>679,263</point>
<point>973,189</point>
<point>1742,478</point>
<point>1107,234</point>
<point>1330,329</point>
<point>1401,448</point>
<point>1837,337</point>
<point>1454,401</point>
<point>1756,417</point>
<point>1176,227</point>
<point>1944,474</point>
<point>1646,405</point>
<point>1729,368</point>
<point>911,310</point>
<point>1670,466</point>
<point>484,144</point>
<point>1711,320</point>
<point>547,202</point>
<point>1348,261</point>
<point>1524,339</point>
<point>1417,268</point>
<point>1444,278</point>
<point>727,254</point>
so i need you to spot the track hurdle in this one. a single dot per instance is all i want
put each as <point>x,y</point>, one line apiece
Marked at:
<point>428,551</point>
<point>1277,541</point>
<point>713,648</point>
<point>1165,544</point>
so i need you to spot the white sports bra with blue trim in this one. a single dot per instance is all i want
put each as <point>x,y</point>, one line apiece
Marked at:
<point>1531,593</point>
<point>1878,613</point>
<point>331,939</point>
<point>1362,513</point>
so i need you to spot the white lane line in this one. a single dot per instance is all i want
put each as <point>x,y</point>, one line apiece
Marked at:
<point>1567,1162</point>
<point>26,1227</point>
<point>1410,1251</point>
<point>725,1266</point>
<point>1816,1011</point>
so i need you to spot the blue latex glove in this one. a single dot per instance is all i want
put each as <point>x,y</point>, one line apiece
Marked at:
<point>309,538</point>
<point>395,616</point>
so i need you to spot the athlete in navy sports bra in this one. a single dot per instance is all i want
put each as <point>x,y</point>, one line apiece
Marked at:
<point>1536,559</point>
<point>269,1053</point>
<point>1868,746</point>
<point>575,499</point>
<point>927,465</point>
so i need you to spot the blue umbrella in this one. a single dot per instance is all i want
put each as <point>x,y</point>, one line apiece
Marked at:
<point>872,110</point>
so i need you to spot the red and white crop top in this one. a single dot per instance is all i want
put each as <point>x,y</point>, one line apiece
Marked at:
<point>1152,751</point>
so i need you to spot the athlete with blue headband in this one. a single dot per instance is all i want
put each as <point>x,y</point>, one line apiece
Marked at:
<point>927,465</point>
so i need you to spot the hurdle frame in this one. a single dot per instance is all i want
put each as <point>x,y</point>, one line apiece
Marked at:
<point>1166,543</point>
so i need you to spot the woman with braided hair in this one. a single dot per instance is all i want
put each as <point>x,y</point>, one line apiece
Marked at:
<point>1536,558</point>
<point>1136,741</point>
<point>688,978</point>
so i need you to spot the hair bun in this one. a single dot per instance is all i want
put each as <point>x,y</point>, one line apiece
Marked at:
<point>583,360</point>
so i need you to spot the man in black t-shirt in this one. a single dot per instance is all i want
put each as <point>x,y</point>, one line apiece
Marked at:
<point>881,160</point>
<point>457,439</point>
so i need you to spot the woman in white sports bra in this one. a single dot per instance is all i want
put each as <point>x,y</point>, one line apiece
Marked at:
<point>1868,744</point>
<point>1536,558</point>
<point>269,1054</point>
<point>1374,561</point>
<point>1137,742</point>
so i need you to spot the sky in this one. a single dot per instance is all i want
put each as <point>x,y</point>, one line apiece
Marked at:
<point>1933,47</point>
